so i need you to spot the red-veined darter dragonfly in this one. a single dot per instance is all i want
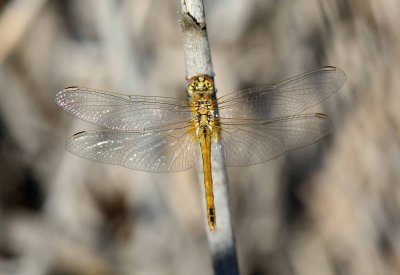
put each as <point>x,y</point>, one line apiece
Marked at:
<point>163,134</point>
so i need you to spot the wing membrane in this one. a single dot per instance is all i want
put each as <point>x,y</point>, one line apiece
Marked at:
<point>252,142</point>
<point>122,112</point>
<point>156,134</point>
<point>285,98</point>
<point>160,151</point>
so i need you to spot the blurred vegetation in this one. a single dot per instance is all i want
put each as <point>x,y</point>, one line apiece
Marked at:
<point>332,208</point>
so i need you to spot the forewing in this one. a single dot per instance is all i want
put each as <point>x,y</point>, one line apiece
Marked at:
<point>285,98</point>
<point>248,143</point>
<point>162,151</point>
<point>122,112</point>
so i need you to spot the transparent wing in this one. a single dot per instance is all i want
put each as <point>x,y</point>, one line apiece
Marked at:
<point>252,142</point>
<point>285,98</point>
<point>122,112</point>
<point>162,151</point>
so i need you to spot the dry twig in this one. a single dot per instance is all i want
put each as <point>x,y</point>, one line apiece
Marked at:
<point>198,61</point>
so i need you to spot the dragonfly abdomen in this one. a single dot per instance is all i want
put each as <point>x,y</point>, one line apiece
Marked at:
<point>204,137</point>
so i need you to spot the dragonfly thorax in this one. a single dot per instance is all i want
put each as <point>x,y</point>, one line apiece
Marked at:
<point>203,108</point>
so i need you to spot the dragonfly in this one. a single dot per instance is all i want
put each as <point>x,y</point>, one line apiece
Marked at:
<point>164,134</point>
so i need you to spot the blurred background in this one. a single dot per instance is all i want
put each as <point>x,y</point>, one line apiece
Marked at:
<point>331,208</point>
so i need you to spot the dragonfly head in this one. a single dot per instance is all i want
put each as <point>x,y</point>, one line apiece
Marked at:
<point>200,84</point>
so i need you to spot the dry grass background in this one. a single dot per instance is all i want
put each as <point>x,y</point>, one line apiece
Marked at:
<point>332,208</point>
